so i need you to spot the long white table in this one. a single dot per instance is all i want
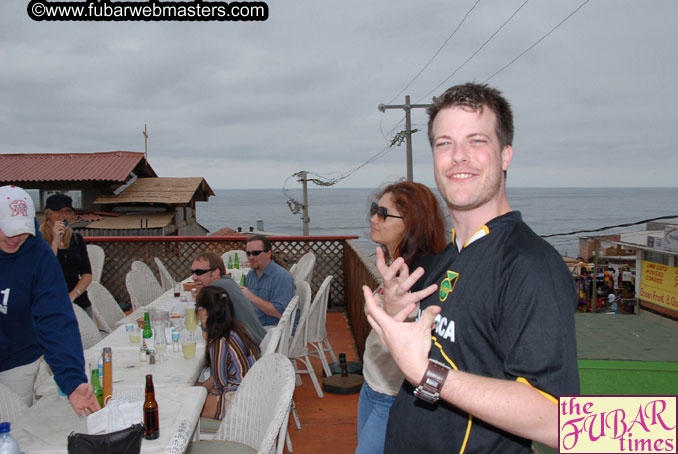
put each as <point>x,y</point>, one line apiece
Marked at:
<point>44,428</point>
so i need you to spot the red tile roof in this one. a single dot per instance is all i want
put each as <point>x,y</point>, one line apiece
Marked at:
<point>113,166</point>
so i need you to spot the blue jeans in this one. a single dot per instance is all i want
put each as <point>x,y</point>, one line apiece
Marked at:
<point>373,411</point>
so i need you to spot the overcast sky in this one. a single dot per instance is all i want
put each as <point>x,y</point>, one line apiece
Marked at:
<point>247,104</point>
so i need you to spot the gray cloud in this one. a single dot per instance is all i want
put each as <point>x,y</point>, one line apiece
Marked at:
<point>247,104</point>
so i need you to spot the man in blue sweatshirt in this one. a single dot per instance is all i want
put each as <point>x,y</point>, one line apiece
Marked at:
<point>36,315</point>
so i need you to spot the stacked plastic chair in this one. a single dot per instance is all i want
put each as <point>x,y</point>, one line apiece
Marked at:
<point>166,279</point>
<point>242,256</point>
<point>269,344</point>
<point>97,257</point>
<point>142,286</point>
<point>89,333</point>
<point>316,325</point>
<point>12,406</point>
<point>285,325</point>
<point>303,269</point>
<point>105,308</point>
<point>298,350</point>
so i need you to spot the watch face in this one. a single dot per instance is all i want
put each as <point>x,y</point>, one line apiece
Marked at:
<point>432,382</point>
<point>425,395</point>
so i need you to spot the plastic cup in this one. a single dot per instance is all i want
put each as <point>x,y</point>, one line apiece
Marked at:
<point>134,335</point>
<point>188,348</point>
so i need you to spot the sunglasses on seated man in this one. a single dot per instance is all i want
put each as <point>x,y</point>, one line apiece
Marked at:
<point>254,253</point>
<point>381,212</point>
<point>201,272</point>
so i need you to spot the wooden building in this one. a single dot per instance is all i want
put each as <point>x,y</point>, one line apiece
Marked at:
<point>115,193</point>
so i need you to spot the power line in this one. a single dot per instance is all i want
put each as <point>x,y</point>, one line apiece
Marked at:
<point>322,180</point>
<point>436,53</point>
<point>610,226</point>
<point>538,41</point>
<point>476,52</point>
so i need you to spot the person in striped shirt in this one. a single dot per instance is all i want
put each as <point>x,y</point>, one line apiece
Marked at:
<point>231,349</point>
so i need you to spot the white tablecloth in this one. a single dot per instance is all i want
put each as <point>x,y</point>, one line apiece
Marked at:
<point>45,426</point>
<point>175,370</point>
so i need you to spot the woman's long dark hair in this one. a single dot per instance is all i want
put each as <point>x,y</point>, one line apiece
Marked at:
<point>424,222</point>
<point>221,320</point>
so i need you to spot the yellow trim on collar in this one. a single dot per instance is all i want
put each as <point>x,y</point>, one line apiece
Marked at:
<point>484,230</point>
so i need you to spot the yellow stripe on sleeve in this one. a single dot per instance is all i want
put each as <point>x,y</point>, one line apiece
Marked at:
<point>547,395</point>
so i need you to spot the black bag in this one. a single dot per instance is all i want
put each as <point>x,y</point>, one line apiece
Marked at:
<point>125,441</point>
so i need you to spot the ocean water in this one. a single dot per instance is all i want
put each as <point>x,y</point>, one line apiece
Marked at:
<point>343,211</point>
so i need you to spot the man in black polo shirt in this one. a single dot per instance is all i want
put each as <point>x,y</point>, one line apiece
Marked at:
<point>500,299</point>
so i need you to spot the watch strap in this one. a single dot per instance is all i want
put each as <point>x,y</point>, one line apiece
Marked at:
<point>432,381</point>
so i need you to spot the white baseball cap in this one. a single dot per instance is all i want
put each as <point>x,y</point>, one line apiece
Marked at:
<point>17,212</point>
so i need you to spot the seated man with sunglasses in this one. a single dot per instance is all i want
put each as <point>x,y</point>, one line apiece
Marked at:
<point>208,269</point>
<point>270,287</point>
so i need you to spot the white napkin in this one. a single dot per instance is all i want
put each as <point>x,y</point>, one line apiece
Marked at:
<point>116,415</point>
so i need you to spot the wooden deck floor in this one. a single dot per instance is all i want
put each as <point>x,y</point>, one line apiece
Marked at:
<point>328,425</point>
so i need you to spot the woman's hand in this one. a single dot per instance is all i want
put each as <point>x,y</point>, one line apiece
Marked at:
<point>58,230</point>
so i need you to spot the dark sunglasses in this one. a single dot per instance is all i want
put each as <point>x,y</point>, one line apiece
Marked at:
<point>201,272</point>
<point>254,253</point>
<point>382,212</point>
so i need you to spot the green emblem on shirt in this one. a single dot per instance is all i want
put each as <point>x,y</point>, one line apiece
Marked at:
<point>447,285</point>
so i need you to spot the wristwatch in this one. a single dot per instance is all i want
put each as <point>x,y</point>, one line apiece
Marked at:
<point>432,382</point>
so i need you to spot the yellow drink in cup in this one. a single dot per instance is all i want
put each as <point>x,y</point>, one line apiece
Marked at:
<point>134,337</point>
<point>133,333</point>
<point>189,349</point>
<point>191,320</point>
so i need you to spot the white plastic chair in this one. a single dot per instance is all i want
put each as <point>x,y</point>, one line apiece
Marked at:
<point>269,344</point>
<point>142,286</point>
<point>242,256</point>
<point>316,325</point>
<point>236,275</point>
<point>166,279</point>
<point>105,308</point>
<point>12,406</point>
<point>97,257</point>
<point>44,380</point>
<point>138,265</point>
<point>258,415</point>
<point>285,325</point>
<point>303,269</point>
<point>89,333</point>
<point>298,350</point>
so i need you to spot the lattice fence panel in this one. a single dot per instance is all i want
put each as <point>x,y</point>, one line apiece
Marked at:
<point>177,254</point>
<point>329,259</point>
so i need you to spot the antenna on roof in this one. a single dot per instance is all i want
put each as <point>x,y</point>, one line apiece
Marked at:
<point>145,142</point>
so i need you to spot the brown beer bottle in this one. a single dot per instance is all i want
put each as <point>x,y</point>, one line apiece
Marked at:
<point>151,418</point>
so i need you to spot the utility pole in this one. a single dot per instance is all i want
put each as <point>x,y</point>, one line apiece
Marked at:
<point>145,133</point>
<point>408,127</point>
<point>306,219</point>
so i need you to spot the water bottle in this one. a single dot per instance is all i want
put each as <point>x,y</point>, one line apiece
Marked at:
<point>8,445</point>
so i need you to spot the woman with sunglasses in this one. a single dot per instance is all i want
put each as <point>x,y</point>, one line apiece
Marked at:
<point>231,349</point>
<point>69,247</point>
<point>407,222</point>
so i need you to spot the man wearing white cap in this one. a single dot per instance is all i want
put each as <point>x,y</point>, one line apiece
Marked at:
<point>36,314</point>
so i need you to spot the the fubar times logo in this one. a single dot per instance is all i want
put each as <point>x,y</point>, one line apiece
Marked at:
<point>617,424</point>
